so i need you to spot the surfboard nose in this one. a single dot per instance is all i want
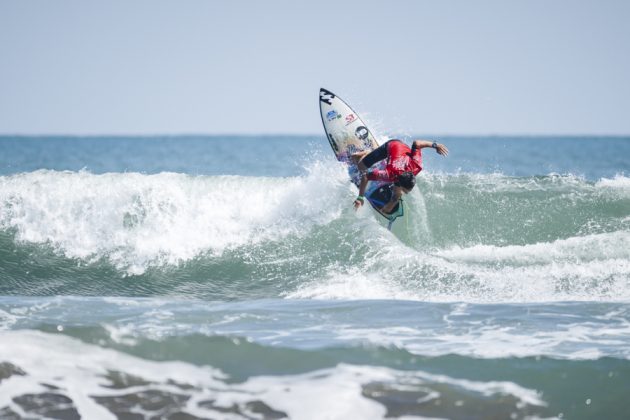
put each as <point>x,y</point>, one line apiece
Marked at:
<point>326,96</point>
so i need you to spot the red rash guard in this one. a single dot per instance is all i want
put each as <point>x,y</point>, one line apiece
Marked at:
<point>400,159</point>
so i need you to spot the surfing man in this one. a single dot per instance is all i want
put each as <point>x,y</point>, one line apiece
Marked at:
<point>403,164</point>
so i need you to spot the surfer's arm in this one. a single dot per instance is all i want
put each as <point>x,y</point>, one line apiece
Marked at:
<point>439,147</point>
<point>362,186</point>
<point>358,159</point>
<point>387,208</point>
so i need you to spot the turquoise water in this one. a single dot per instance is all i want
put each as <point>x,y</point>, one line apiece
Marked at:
<point>229,277</point>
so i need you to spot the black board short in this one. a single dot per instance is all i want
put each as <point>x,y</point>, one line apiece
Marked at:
<point>377,154</point>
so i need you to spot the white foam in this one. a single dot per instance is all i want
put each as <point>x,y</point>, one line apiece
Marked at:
<point>558,330</point>
<point>604,246</point>
<point>619,182</point>
<point>79,371</point>
<point>499,182</point>
<point>350,286</point>
<point>591,267</point>
<point>136,220</point>
<point>7,319</point>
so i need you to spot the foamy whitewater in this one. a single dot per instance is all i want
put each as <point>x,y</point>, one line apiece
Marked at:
<point>229,277</point>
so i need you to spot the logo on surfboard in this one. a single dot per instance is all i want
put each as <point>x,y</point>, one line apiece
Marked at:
<point>332,115</point>
<point>326,96</point>
<point>362,132</point>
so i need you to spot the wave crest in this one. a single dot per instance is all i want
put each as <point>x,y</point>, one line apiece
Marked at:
<point>472,237</point>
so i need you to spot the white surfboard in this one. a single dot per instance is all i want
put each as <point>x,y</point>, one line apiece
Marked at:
<point>347,135</point>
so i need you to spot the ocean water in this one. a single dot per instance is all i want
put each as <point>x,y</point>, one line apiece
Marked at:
<point>229,277</point>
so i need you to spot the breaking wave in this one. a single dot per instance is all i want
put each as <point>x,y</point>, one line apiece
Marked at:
<point>471,237</point>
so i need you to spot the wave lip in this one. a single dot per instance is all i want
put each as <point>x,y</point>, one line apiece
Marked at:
<point>619,183</point>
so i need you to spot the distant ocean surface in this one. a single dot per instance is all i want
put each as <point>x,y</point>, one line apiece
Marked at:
<point>229,277</point>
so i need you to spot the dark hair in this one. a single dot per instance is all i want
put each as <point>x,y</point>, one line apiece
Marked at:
<point>406,180</point>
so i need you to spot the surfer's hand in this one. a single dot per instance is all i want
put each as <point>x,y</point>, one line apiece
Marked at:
<point>441,149</point>
<point>357,203</point>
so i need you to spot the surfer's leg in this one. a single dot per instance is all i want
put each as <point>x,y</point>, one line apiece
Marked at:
<point>376,155</point>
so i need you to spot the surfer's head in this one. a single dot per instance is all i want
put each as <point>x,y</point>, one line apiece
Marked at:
<point>406,180</point>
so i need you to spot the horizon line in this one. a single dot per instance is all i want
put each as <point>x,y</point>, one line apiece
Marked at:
<point>279,134</point>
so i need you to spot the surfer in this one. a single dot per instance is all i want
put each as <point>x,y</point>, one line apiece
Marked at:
<point>403,164</point>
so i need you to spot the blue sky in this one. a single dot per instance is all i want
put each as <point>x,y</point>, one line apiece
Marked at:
<point>425,67</point>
